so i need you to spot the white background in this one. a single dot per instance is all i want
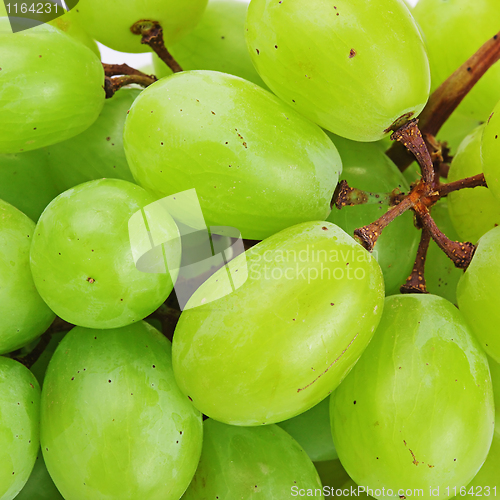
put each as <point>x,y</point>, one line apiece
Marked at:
<point>140,61</point>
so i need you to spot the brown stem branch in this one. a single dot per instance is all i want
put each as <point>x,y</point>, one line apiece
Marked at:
<point>368,235</point>
<point>460,253</point>
<point>411,138</point>
<point>152,35</point>
<point>415,283</point>
<point>112,85</point>
<point>123,69</point>
<point>468,182</point>
<point>449,95</point>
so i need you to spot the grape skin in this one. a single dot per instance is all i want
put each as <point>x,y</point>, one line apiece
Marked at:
<point>490,151</point>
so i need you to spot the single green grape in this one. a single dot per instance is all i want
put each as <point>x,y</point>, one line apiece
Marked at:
<point>19,426</point>
<point>26,182</point>
<point>473,211</point>
<point>51,88</point>
<point>487,480</point>
<point>331,473</point>
<point>447,51</point>
<point>255,163</point>
<point>24,316</point>
<point>416,412</point>
<point>40,485</point>
<point>478,293</point>
<point>312,431</point>
<point>68,24</point>
<point>110,22</point>
<point>304,305</point>
<point>250,463</point>
<point>336,63</point>
<point>81,256</point>
<point>114,424</point>
<point>441,275</point>
<point>98,152</point>
<point>367,168</point>
<point>217,43</point>
<point>490,150</point>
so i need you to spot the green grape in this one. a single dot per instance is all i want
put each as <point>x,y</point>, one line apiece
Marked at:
<point>367,168</point>
<point>351,486</point>
<point>331,473</point>
<point>335,62</point>
<point>51,88</point>
<point>97,152</point>
<point>24,316</point>
<point>67,24</point>
<point>19,426</point>
<point>312,431</point>
<point>217,43</point>
<point>478,293</point>
<point>81,256</point>
<point>490,150</point>
<point>110,22</point>
<point>447,51</point>
<point>487,478</point>
<point>306,303</point>
<point>40,485</point>
<point>441,275</point>
<point>255,163</point>
<point>416,412</point>
<point>114,424</point>
<point>26,182</point>
<point>473,211</point>
<point>250,463</point>
<point>495,378</point>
